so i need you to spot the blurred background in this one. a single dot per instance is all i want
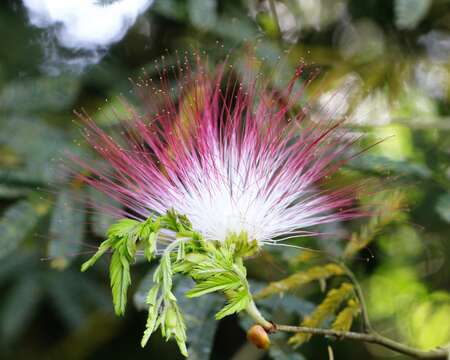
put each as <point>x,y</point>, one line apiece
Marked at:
<point>384,64</point>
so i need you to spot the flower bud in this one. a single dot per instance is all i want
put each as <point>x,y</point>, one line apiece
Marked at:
<point>258,336</point>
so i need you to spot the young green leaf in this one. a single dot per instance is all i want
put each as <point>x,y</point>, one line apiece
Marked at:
<point>199,316</point>
<point>163,308</point>
<point>179,331</point>
<point>18,220</point>
<point>124,227</point>
<point>120,280</point>
<point>165,274</point>
<point>153,312</point>
<point>104,247</point>
<point>221,282</point>
<point>236,303</point>
<point>170,220</point>
<point>150,245</point>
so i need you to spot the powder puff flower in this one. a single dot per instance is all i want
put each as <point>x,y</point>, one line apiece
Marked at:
<point>242,159</point>
<point>210,179</point>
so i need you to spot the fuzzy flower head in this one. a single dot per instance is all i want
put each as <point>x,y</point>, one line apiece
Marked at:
<point>234,158</point>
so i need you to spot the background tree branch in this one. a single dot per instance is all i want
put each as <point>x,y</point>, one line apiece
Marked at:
<point>440,353</point>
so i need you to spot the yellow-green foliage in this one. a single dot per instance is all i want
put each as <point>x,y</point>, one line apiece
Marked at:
<point>421,315</point>
<point>328,307</point>
<point>300,278</point>
<point>305,257</point>
<point>344,319</point>
<point>387,212</point>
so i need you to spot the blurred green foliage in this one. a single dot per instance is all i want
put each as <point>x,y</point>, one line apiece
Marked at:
<point>384,64</point>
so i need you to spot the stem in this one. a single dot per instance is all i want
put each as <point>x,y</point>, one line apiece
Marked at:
<point>369,338</point>
<point>369,335</point>
<point>367,326</point>
<point>251,308</point>
<point>254,313</point>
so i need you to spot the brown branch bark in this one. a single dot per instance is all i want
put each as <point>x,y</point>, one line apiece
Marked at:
<point>369,335</point>
<point>369,338</point>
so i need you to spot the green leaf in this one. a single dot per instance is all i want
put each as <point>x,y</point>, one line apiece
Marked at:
<point>122,237</point>
<point>286,302</point>
<point>163,309</point>
<point>409,13</point>
<point>173,325</point>
<point>383,165</point>
<point>165,273</point>
<point>124,227</point>
<point>18,307</point>
<point>443,207</point>
<point>171,9</point>
<point>221,271</point>
<point>344,319</point>
<point>93,295</point>
<point>74,296</point>
<point>184,222</point>
<point>12,192</point>
<point>45,94</point>
<point>180,332</point>
<point>170,220</point>
<point>18,221</point>
<point>154,304</point>
<point>65,296</point>
<point>131,245</point>
<point>199,315</point>
<point>38,165</point>
<point>188,264</point>
<point>66,228</point>
<point>300,278</point>
<point>150,246</point>
<point>234,27</point>
<point>266,21</point>
<point>119,271</point>
<point>219,261</point>
<point>220,282</point>
<point>181,251</point>
<point>104,247</point>
<point>13,267</point>
<point>326,308</point>
<point>236,303</point>
<point>203,13</point>
<point>148,236</point>
<point>152,296</point>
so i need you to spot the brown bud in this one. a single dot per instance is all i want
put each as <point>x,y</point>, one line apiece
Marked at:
<point>258,336</point>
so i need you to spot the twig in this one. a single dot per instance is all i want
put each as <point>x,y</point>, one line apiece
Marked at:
<point>369,338</point>
<point>368,335</point>
<point>254,313</point>
<point>367,326</point>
